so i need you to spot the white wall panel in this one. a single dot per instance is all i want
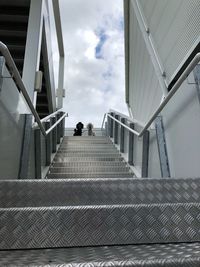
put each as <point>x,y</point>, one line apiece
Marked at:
<point>144,91</point>
<point>175,28</point>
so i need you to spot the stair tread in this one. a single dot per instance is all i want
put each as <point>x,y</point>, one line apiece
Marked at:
<point>168,255</point>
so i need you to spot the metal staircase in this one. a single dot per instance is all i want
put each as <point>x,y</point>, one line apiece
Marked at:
<point>98,214</point>
<point>88,157</point>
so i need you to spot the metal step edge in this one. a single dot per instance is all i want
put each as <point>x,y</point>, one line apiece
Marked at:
<point>89,168</point>
<point>90,159</point>
<point>88,175</point>
<point>154,255</point>
<point>92,191</point>
<point>85,163</point>
<point>98,225</point>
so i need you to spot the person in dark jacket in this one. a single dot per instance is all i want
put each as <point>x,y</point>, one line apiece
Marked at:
<point>78,130</point>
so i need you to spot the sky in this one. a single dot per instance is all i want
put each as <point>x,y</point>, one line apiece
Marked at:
<point>93,34</point>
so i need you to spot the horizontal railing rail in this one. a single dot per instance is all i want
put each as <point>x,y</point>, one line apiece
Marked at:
<point>20,84</point>
<point>173,90</point>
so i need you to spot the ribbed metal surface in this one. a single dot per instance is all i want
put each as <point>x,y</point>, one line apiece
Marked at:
<point>161,255</point>
<point>101,169</point>
<point>93,163</point>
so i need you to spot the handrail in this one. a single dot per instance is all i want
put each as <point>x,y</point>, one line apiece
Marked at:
<point>15,73</point>
<point>56,123</point>
<point>124,125</point>
<point>12,67</point>
<point>173,90</point>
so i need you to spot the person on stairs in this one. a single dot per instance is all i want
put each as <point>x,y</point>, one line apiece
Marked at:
<point>78,130</point>
<point>90,129</point>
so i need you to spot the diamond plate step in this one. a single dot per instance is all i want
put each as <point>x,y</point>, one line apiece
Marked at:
<point>93,163</point>
<point>101,169</point>
<point>44,227</point>
<point>156,255</point>
<point>98,212</point>
<point>102,191</point>
<point>87,159</point>
<point>91,174</point>
<point>88,154</point>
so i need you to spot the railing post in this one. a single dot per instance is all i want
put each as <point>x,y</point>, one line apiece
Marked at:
<point>111,125</point>
<point>131,145</point>
<point>38,156</point>
<point>116,129</point>
<point>62,123</point>
<point>162,148</point>
<point>58,129</point>
<point>48,143</point>
<point>145,154</point>
<point>122,130</point>
<point>106,128</point>
<point>54,135</point>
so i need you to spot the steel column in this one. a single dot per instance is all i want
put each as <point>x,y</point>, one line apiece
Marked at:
<point>122,130</point>
<point>38,159</point>
<point>162,149</point>
<point>48,143</point>
<point>116,130</point>
<point>145,154</point>
<point>131,145</point>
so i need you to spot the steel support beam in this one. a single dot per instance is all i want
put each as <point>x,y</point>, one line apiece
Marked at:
<point>162,149</point>
<point>122,131</point>
<point>131,145</point>
<point>145,154</point>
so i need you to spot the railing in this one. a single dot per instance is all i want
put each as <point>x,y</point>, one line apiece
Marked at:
<point>52,126</point>
<point>20,84</point>
<point>119,119</point>
<point>174,89</point>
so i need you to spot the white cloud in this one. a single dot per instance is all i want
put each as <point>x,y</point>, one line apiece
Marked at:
<point>94,50</point>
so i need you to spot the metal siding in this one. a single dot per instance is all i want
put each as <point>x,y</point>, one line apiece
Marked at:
<point>144,91</point>
<point>175,28</point>
<point>182,128</point>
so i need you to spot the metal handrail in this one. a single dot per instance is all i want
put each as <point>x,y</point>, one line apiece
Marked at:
<point>18,80</point>
<point>174,89</point>
<point>124,125</point>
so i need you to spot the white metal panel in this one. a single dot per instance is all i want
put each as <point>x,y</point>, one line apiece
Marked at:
<point>175,27</point>
<point>144,91</point>
<point>182,128</point>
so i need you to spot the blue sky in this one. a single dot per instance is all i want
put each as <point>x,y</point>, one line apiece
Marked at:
<point>94,48</point>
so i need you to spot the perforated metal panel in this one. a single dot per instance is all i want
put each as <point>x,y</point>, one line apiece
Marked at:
<point>144,91</point>
<point>175,28</point>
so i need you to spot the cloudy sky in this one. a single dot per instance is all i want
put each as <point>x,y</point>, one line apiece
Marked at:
<point>94,49</point>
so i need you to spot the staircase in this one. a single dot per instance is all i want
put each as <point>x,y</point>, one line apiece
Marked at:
<point>88,157</point>
<point>91,210</point>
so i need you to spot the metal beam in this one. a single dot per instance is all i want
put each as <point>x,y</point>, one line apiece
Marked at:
<point>38,157</point>
<point>48,144</point>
